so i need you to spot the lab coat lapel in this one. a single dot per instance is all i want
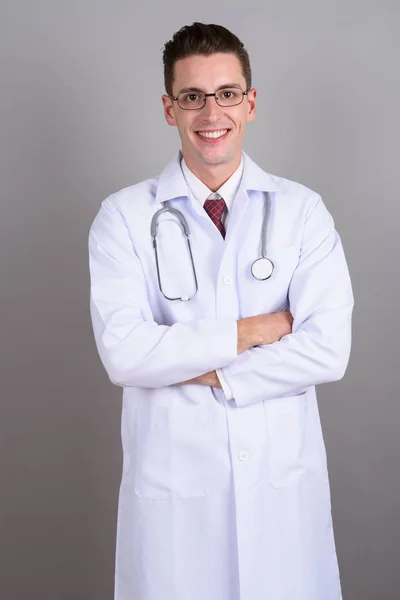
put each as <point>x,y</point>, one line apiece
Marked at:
<point>254,179</point>
<point>238,208</point>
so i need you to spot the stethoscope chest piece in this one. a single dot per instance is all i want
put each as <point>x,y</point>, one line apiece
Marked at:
<point>262,268</point>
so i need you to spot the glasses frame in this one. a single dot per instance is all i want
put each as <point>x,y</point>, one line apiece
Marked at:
<point>244,93</point>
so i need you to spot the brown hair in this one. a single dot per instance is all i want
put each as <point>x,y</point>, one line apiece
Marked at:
<point>205,40</point>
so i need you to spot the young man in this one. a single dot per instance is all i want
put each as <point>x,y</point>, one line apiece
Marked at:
<point>224,492</point>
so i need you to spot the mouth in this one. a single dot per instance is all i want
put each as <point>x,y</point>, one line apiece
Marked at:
<point>212,136</point>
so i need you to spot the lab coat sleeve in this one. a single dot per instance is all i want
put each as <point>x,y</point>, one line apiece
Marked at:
<point>134,349</point>
<point>224,384</point>
<point>321,302</point>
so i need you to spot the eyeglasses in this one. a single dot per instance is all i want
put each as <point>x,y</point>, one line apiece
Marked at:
<point>194,100</point>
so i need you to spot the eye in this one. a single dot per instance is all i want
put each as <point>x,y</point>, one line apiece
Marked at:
<point>190,98</point>
<point>229,96</point>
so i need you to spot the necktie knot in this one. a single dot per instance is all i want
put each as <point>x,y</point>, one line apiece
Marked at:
<point>214,207</point>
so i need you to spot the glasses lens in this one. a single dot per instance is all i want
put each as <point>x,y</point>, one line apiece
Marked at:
<point>191,100</point>
<point>229,97</point>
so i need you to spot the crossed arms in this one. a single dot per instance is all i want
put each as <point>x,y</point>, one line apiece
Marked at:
<point>252,331</point>
<point>261,357</point>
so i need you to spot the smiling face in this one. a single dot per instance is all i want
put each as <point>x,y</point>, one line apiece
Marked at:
<point>212,136</point>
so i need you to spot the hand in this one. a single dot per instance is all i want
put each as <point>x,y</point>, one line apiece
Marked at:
<point>275,326</point>
<point>210,379</point>
<point>263,329</point>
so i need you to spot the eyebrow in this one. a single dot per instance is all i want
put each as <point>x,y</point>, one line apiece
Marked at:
<point>221,87</point>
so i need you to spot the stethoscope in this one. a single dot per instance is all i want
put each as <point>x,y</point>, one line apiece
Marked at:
<point>261,269</point>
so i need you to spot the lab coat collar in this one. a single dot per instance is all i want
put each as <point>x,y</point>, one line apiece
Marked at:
<point>172,184</point>
<point>254,178</point>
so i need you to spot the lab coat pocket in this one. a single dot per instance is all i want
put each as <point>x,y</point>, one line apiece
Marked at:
<point>286,424</point>
<point>171,448</point>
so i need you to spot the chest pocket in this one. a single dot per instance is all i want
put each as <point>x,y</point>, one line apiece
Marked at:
<point>171,454</point>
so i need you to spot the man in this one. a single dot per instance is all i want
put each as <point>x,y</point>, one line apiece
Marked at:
<point>224,492</point>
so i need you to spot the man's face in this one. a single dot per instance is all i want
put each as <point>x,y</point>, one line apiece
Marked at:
<point>209,74</point>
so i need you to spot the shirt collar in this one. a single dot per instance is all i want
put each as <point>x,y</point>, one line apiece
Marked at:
<point>172,182</point>
<point>201,192</point>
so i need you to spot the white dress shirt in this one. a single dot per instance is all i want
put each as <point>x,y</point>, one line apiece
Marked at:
<point>227,191</point>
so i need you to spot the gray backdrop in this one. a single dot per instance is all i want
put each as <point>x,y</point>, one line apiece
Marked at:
<point>81,117</point>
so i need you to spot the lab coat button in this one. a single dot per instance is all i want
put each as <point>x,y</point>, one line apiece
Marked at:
<point>227,280</point>
<point>244,455</point>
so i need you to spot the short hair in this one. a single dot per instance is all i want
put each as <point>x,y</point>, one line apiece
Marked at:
<point>201,39</point>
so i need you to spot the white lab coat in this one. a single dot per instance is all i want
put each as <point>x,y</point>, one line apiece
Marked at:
<point>221,499</point>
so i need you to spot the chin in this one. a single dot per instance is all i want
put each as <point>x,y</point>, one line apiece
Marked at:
<point>217,159</point>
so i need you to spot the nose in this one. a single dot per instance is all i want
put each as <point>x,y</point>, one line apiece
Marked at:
<point>211,110</point>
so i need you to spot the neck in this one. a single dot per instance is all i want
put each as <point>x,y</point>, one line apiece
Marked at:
<point>213,176</point>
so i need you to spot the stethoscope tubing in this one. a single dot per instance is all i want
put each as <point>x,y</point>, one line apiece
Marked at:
<point>261,269</point>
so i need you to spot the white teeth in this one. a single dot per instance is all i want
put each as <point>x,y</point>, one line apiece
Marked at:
<point>212,134</point>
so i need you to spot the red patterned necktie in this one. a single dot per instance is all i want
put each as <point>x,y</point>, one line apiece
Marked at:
<point>214,207</point>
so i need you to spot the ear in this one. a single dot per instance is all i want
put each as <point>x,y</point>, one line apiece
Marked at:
<point>169,113</point>
<point>251,102</point>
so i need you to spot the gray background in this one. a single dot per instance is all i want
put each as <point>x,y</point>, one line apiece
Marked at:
<point>81,117</point>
